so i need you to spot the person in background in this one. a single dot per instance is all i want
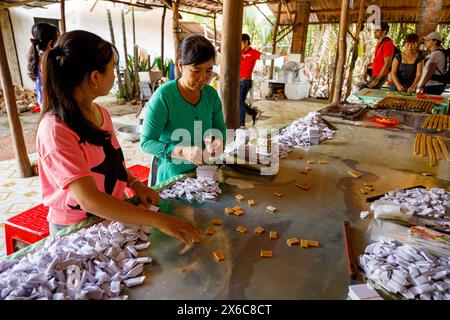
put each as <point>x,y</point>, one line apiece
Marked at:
<point>249,56</point>
<point>382,59</point>
<point>81,165</point>
<point>181,110</point>
<point>435,66</point>
<point>44,37</point>
<point>407,66</point>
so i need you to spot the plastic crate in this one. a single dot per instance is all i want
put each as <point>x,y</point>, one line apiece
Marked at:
<point>141,172</point>
<point>27,227</point>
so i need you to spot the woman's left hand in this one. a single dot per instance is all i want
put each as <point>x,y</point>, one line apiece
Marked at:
<point>147,195</point>
<point>411,89</point>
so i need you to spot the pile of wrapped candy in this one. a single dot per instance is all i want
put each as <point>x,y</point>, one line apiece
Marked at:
<point>92,263</point>
<point>303,132</point>
<point>401,269</point>
<point>432,203</point>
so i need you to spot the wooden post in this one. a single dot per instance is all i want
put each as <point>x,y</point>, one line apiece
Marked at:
<point>113,41</point>
<point>233,11</point>
<point>18,141</point>
<point>355,49</point>
<point>176,38</point>
<point>163,19</point>
<point>301,29</point>
<point>63,16</point>
<point>342,49</point>
<point>274,40</point>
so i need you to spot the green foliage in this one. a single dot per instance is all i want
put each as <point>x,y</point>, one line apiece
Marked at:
<point>167,63</point>
<point>261,31</point>
<point>121,94</point>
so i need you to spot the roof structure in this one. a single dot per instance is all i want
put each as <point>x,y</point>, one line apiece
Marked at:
<point>328,11</point>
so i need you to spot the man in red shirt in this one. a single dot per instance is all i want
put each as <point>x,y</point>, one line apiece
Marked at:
<point>384,52</point>
<point>249,56</point>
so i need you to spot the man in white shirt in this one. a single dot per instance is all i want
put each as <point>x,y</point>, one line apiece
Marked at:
<point>435,67</point>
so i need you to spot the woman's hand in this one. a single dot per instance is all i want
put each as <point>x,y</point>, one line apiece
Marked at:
<point>411,89</point>
<point>213,148</point>
<point>177,228</point>
<point>191,154</point>
<point>145,194</point>
<point>400,88</point>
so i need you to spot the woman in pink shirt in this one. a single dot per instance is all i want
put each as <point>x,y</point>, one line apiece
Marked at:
<point>81,165</point>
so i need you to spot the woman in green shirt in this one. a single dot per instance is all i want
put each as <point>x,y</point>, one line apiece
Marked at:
<point>182,114</point>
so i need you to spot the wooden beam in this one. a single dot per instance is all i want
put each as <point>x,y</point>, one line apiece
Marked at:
<point>383,9</point>
<point>176,35</point>
<point>18,141</point>
<point>233,11</point>
<point>342,50</point>
<point>15,4</point>
<point>63,16</point>
<point>264,15</point>
<point>274,40</point>
<point>286,5</point>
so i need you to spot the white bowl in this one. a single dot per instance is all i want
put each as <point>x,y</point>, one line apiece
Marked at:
<point>130,132</point>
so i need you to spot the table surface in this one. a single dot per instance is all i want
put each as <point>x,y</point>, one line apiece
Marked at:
<point>316,214</point>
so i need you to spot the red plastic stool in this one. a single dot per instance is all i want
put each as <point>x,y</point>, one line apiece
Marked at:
<point>28,227</point>
<point>140,172</point>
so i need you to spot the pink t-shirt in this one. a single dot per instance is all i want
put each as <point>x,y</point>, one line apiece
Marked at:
<point>63,159</point>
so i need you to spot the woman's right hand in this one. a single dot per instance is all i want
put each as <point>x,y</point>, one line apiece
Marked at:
<point>177,228</point>
<point>192,154</point>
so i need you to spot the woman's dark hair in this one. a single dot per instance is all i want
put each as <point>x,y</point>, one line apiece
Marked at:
<point>76,55</point>
<point>246,37</point>
<point>412,37</point>
<point>196,50</point>
<point>42,34</point>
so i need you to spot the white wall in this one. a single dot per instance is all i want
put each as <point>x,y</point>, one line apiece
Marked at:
<point>78,16</point>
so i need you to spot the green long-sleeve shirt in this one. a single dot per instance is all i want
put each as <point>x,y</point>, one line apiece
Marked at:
<point>168,111</point>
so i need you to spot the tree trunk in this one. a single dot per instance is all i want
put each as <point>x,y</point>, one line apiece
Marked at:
<point>113,41</point>
<point>429,14</point>
<point>274,40</point>
<point>233,11</point>
<point>342,50</point>
<point>136,59</point>
<point>127,72</point>
<point>355,49</point>
<point>18,141</point>
<point>163,19</point>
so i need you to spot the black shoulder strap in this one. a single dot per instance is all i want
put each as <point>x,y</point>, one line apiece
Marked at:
<point>381,44</point>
